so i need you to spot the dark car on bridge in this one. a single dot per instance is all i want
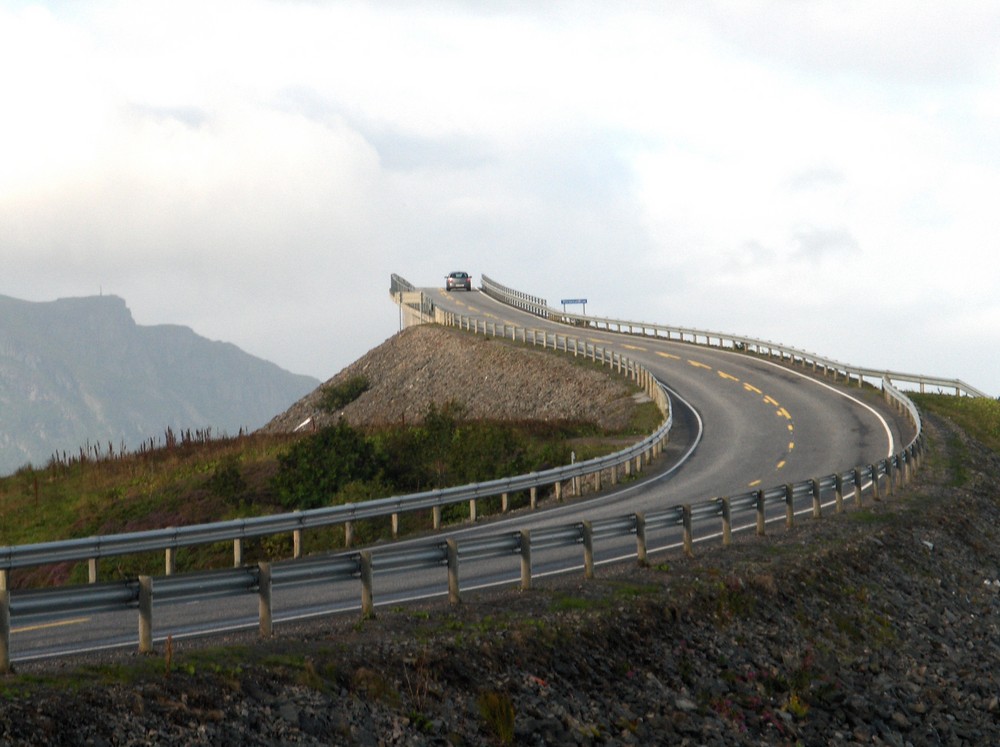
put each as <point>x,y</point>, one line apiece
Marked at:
<point>458,280</point>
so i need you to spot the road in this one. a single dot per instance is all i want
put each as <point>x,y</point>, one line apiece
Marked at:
<point>742,423</point>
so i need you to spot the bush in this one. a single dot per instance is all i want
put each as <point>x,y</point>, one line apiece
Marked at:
<point>337,396</point>
<point>316,467</point>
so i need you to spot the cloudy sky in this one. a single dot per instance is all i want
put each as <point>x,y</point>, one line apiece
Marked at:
<point>821,174</point>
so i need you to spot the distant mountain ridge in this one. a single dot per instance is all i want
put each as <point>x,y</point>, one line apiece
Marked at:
<point>80,370</point>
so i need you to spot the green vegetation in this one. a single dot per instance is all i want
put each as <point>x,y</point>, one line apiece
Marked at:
<point>977,416</point>
<point>193,478</point>
<point>337,396</point>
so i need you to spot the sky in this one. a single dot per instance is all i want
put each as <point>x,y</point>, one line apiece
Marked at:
<point>823,175</point>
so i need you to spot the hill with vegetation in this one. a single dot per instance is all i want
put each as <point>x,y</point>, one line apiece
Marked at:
<point>78,375</point>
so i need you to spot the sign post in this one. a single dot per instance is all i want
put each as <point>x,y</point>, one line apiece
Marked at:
<point>581,301</point>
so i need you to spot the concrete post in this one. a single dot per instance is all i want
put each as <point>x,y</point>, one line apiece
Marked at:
<point>296,543</point>
<point>452,550</point>
<point>237,552</point>
<point>472,510</point>
<point>395,525</point>
<point>597,481</point>
<point>504,502</point>
<point>145,614</point>
<point>587,532</point>
<point>348,533</point>
<point>534,497</point>
<point>436,517</point>
<point>558,488</point>
<point>264,598</point>
<point>93,571</point>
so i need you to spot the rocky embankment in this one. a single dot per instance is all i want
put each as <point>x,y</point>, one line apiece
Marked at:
<point>877,627</point>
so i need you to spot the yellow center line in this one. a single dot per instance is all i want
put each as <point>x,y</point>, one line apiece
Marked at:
<point>729,377</point>
<point>752,388</point>
<point>784,413</point>
<point>598,339</point>
<point>791,445</point>
<point>771,401</point>
<point>755,483</point>
<point>633,347</point>
<point>697,364</point>
<point>780,464</point>
<point>45,626</point>
<point>791,428</point>
<point>669,355</point>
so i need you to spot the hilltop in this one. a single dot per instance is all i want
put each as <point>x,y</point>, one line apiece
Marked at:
<point>80,373</point>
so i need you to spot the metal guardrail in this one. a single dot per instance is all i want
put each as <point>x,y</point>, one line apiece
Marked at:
<point>247,579</point>
<point>723,340</point>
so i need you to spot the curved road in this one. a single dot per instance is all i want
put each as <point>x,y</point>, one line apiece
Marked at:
<point>741,422</point>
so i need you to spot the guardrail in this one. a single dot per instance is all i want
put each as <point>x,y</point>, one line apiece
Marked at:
<point>722,340</point>
<point>776,504</point>
<point>141,592</point>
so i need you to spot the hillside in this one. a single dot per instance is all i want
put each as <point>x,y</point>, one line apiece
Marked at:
<point>80,370</point>
<point>488,378</point>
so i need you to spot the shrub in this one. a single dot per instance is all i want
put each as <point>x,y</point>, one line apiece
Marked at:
<point>337,396</point>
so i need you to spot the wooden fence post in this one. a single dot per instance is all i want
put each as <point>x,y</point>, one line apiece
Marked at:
<point>838,487</point>
<point>145,614</point>
<point>640,538</point>
<point>857,488</point>
<point>587,532</point>
<point>367,593</point>
<point>452,551</point>
<point>817,503</point>
<point>525,559</point>
<point>264,598</point>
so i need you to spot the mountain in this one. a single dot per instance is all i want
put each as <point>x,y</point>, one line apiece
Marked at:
<point>80,370</point>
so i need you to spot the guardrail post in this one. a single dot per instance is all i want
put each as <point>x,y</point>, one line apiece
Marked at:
<point>628,468</point>
<point>452,551</point>
<point>597,481</point>
<point>92,570</point>
<point>587,534</point>
<point>558,489</point>
<point>472,510</point>
<point>640,538</point>
<point>504,502</point>
<point>436,517</point>
<point>296,543</point>
<point>4,631</point>
<point>874,472</point>
<point>348,533</point>
<point>534,497</point>
<point>367,593</point>
<point>857,488</point>
<point>789,506</point>
<point>614,475</point>
<point>727,523</point>
<point>838,487</point>
<point>395,524</point>
<point>760,513</point>
<point>145,614</point>
<point>890,475</point>
<point>525,559</point>
<point>688,539</point>
<point>237,552</point>
<point>170,561</point>
<point>264,598</point>
<point>817,504</point>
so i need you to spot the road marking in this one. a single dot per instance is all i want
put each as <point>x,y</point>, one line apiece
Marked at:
<point>633,347</point>
<point>669,355</point>
<point>780,464</point>
<point>784,413</point>
<point>698,364</point>
<point>755,483</point>
<point>791,445</point>
<point>728,377</point>
<point>771,401</point>
<point>791,427</point>
<point>603,342</point>
<point>45,626</point>
<point>751,388</point>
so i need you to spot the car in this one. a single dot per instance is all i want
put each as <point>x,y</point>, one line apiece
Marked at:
<point>458,280</point>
